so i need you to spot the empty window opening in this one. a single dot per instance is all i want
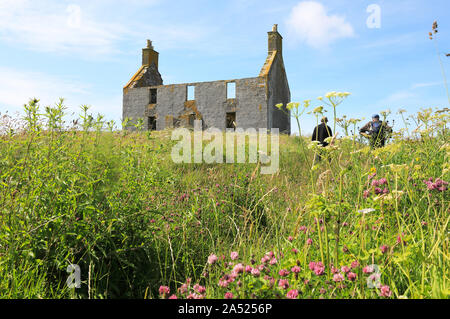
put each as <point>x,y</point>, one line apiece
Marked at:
<point>231,90</point>
<point>231,120</point>
<point>190,93</point>
<point>153,95</point>
<point>191,120</point>
<point>152,123</point>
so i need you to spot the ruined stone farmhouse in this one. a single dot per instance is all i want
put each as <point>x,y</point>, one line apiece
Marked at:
<point>240,103</point>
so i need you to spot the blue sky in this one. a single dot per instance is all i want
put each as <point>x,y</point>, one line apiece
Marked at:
<point>87,50</point>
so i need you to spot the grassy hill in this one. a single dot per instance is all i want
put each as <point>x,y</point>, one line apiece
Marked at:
<point>139,225</point>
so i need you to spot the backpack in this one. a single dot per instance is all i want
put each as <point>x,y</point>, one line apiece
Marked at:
<point>376,127</point>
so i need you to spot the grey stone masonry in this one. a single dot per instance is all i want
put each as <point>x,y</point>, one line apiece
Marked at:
<point>253,105</point>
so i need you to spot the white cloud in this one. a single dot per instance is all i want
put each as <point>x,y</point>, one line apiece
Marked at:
<point>409,94</point>
<point>396,41</point>
<point>413,96</point>
<point>17,87</point>
<point>427,84</point>
<point>399,96</point>
<point>74,18</point>
<point>47,26</point>
<point>310,23</point>
<point>84,30</point>
<point>172,36</point>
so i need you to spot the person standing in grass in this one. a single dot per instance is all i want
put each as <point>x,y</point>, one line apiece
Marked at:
<point>320,133</point>
<point>377,131</point>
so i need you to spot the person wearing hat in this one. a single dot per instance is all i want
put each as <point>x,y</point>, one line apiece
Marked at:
<point>376,131</point>
<point>320,133</point>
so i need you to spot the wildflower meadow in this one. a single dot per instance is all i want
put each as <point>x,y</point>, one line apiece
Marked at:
<point>360,224</point>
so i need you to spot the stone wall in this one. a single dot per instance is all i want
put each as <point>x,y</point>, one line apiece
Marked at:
<point>211,104</point>
<point>254,104</point>
<point>169,106</point>
<point>135,102</point>
<point>150,77</point>
<point>278,93</point>
<point>251,103</point>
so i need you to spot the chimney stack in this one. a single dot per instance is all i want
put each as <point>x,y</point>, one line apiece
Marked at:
<point>149,55</point>
<point>275,40</point>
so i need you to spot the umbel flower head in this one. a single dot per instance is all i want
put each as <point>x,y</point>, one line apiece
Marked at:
<point>289,106</point>
<point>318,110</point>
<point>330,94</point>
<point>336,94</point>
<point>306,103</point>
<point>314,145</point>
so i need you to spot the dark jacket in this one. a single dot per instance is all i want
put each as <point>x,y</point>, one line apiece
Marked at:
<point>320,133</point>
<point>383,131</point>
<point>377,137</point>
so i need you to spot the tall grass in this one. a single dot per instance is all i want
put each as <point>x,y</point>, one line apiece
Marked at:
<point>114,203</point>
